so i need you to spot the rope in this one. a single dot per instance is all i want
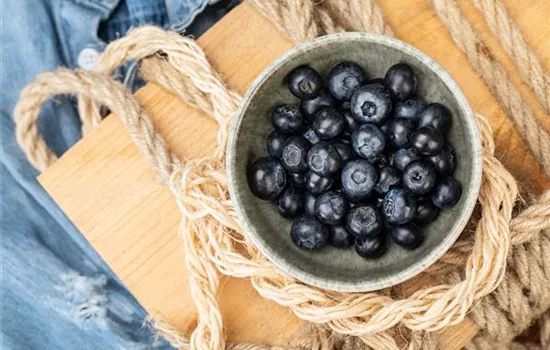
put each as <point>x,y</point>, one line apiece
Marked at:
<point>358,15</point>
<point>104,91</point>
<point>211,232</point>
<point>495,76</point>
<point>503,27</point>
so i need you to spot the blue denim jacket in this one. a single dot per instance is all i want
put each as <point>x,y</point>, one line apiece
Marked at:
<point>56,292</point>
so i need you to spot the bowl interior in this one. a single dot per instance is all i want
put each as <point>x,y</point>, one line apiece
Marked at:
<point>329,267</point>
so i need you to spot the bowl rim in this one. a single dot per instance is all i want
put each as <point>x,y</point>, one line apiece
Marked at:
<point>434,254</point>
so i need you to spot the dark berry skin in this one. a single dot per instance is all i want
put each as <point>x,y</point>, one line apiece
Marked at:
<point>445,161</point>
<point>401,81</point>
<point>399,131</point>
<point>407,236</point>
<point>311,136</point>
<point>426,212</point>
<point>388,178</point>
<point>291,202</point>
<point>344,78</point>
<point>266,178</point>
<point>317,184</point>
<point>364,220</point>
<point>368,141</point>
<point>331,208</point>
<point>308,233</point>
<point>409,109</point>
<point>323,159</point>
<point>275,144</point>
<point>358,179</point>
<point>419,177</point>
<point>371,247</point>
<point>402,157</point>
<point>399,206</point>
<point>294,158</point>
<point>311,107</point>
<point>304,82</point>
<point>287,119</point>
<point>437,116</point>
<point>309,204</point>
<point>371,104</point>
<point>378,81</point>
<point>297,180</point>
<point>351,123</point>
<point>328,124</point>
<point>427,141</point>
<point>340,237</point>
<point>345,151</point>
<point>446,193</point>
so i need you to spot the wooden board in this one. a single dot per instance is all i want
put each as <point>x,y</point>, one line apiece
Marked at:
<point>112,196</point>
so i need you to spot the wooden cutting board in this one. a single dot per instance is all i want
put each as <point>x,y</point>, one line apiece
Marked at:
<point>111,194</point>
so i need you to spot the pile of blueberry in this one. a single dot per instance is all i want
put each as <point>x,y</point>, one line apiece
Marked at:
<point>359,159</point>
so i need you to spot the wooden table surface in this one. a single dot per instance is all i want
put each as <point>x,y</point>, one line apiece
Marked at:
<point>111,194</point>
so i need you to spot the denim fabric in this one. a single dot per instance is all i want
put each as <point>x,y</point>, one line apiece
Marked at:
<point>56,292</point>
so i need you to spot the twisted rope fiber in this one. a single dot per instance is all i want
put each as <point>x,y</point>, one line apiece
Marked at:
<point>526,60</point>
<point>203,208</point>
<point>358,15</point>
<point>190,76</point>
<point>495,76</point>
<point>103,90</point>
<point>298,19</point>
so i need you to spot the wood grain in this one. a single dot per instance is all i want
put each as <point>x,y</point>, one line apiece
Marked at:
<point>112,196</point>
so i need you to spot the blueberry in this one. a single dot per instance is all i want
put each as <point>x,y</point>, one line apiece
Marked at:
<point>345,151</point>
<point>297,179</point>
<point>388,178</point>
<point>311,107</point>
<point>371,247</point>
<point>401,81</point>
<point>309,203</point>
<point>328,124</point>
<point>364,220</point>
<point>304,82</point>
<point>311,136</point>
<point>371,104</point>
<point>331,208</point>
<point>399,131</point>
<point>377,81</point>
<point>437,116</point>
<point>409,109</point>
<point>381,161</point>
<point>291,202</point>
<point>446,193</point>
<point>323,159</point>
<point>295,152</point>
<point>426,212</point>
<point>351,123</point>
<point>419,177</point>
<point>317,184</point>
<point>445,161</point>
<point>344,78</point>
<point>358,179</point>
<point>340,237</point>
<point>407,236</point>
<point>266,178</point>
<point>308,233</point>
<point>275,144</point>
<point>427,141</point>
<point>399,206</point>
<point>287,119</point>
<point>368,141</point>
<point>402,157</point>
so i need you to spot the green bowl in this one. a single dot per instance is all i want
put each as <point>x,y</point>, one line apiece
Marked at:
<point>332,268</point>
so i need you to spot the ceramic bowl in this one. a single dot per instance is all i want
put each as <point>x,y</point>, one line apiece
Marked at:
<point>332,268</point>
